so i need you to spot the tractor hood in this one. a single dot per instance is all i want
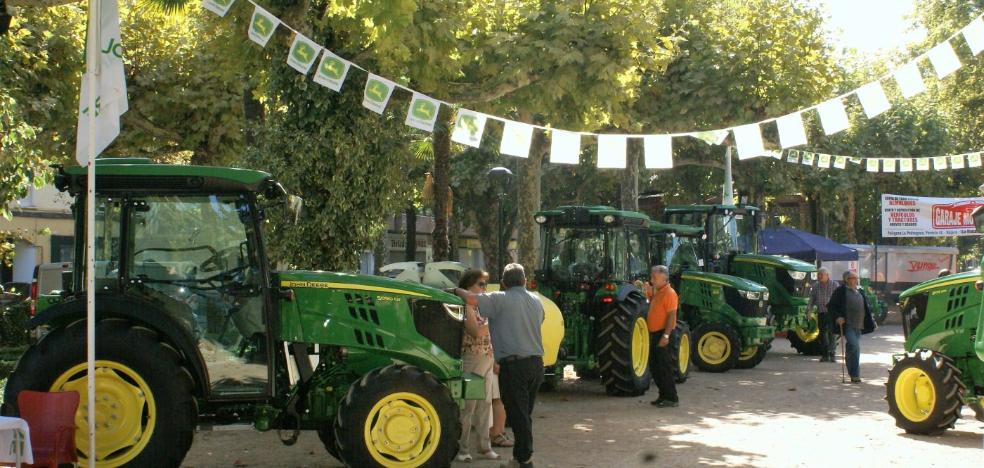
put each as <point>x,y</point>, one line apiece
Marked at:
<point>725,280</point>
<point>946,281</point>
<point>784,263</point>
<point>378,284</point>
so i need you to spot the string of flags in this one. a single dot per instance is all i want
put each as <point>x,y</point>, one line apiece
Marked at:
<point>565,148</point>
<point>827,161</point>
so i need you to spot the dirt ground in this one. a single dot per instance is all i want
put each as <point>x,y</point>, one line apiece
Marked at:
<point>789,411</point>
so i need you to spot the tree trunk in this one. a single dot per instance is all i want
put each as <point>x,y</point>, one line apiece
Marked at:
<point>411,239</point>
<point>442,188</point>
<point>528,232</point>
<point>849,216</point>
<point>630,179</point>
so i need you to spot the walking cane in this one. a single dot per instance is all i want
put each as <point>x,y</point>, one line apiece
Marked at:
<point>843,353</point>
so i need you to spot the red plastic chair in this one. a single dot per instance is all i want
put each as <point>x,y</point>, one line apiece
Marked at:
<point>51,418</point>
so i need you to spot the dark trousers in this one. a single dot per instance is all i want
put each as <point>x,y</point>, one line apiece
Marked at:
<point>661,367</point>
<point>519,381</point>
<point>828,337</point>
<point>853,351</point>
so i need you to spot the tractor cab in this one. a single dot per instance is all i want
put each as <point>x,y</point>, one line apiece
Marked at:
<point>728,231</point>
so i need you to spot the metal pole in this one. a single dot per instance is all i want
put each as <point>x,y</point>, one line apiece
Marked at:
<point>728,191</point>
<point>93,71</point>
<point>502,235</point>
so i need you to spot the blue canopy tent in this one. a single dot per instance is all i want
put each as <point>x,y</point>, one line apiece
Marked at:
<point>802,245</point>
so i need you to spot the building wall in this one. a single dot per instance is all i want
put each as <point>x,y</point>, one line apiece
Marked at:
<point>39,219</point>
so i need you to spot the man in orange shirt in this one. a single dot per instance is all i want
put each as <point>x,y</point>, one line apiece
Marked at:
<point>662,320</point>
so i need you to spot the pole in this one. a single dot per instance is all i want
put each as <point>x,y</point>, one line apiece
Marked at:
<point>728,191</point>
<point>92,62</point>
<point>502,245</point>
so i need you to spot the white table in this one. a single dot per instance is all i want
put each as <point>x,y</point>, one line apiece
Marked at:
<point>15,441</point>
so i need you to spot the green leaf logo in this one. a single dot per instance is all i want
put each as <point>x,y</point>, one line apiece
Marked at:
<point>377,91</point>
<point>424,110</point>
<point>303,52</point>
<point>332,67</point>
<point>469,122</point>
<point>262,25</point>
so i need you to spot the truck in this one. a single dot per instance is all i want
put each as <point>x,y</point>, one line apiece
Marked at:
<point>195,328</point>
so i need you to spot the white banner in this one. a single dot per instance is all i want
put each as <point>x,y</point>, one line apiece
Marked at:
<point>262,26</point>
<point>910,80</point>
<point>565,147</point>
<point>377,93</point>
<point>748,139</point>
<point>873,99</point>
<point>791,132</point>
<point>469,127</point>
<point>833,117</point>
<point>611,151</point>
<point>944,59</point>
<point>658,151</point>
<point>111,96</point>
<point>907,216</point>
<point>331,71</point>
<point>516,139</point>
<point>423,112</point>
<point>974,35</point>
<point>303,52</point>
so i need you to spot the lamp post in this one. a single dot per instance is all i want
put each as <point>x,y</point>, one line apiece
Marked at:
<point>500,177</point>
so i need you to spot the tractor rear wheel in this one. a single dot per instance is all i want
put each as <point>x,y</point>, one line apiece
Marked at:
<point>924,392</point>
<point>751,357</point>
<point>623,356</point>
<point>327,436</point>
<point>807,341</point>
<point>680,352</point>
<point>718,347</point>
<point>397,416</point>
<point>146,412</point>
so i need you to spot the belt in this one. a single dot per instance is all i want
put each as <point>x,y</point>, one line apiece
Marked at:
<point>514,358</point>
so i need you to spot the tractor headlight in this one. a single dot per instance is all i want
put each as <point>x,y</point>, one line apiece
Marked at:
<point>797,275</point>
<point>456,312</point>
<point>608,219</point>
<point>540,219</point>
<point>765,296</point>
<point>813,276</point>
<point>750,295</point>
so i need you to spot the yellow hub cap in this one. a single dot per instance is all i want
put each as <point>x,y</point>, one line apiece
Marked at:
<point>714,347</point>
<point>402,429</point>
<point>808,335</point>
<point>748,353</point>
<point>640,347</point>
<point>915,394</point>
<point>684,358</point>
<point>125,412</point>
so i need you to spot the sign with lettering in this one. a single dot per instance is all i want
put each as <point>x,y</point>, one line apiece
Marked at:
<point>907,216</point>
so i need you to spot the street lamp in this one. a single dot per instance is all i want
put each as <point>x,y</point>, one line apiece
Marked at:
<point>500,177</point>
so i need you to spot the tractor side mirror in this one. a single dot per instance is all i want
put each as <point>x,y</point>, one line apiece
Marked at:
<point>294,206</point>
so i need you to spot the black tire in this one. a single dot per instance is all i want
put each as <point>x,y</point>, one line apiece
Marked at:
<point>749,360</point>
<point>138,349</point>
<point>716,347</point>
<point>680,356</point>
<point>621,374</point>
<point>587,374</point>
<point>806,348</point>
<point>354,415</point>
<point>551,378</point>
<point>916,372</point>
<point>327,436</point>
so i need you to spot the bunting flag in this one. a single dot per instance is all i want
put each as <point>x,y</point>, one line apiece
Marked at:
<point>973,33</point>
<point>873,99</point>
<point>833,117</point>
<point>377,93</point>
<point>565,147</point>
<point>711,137</point>
<point>922,164</point>
<point>611,151</point>
<point>957,161</point>
<point>748,139</point>
<point>888,165</point>
<point>331,71</point>
<point>872,165</point>
<point>840,162</point>
<point>939,162</point>
<point>974,160</point>
<point>303,53</point>
<point>792,156</point>
<point>111,97</point>
<point>468,128</point>
<point>516,139</point>
<point>909,79</point>
<point>944,59</point>
<point>905,165</point>
<point>856,160</point>
<point>658,151</point>
<point>219,7</point>
<point>807,159</point>
<point>823,160</point>
<point>791,131</point>
<point>262,26</point>
<point>423,112</point>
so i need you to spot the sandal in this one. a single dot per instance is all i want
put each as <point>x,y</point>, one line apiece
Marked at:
<point>501,440</point>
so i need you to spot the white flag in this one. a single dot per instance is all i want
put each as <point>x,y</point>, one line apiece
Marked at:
<point>302,54</point>
<point>516,139</point>
<point>922,164</point>
<point>377,93</point>
<point>711,137</point>
<point>565,147</point>
<point>888,165</point>
<point>611,151</point>
<point>905,165</point>
<point>791,132</point>
<point>974,160</point>
<point>939,162</point>
<point>219,7</point>
<point>855,160</point>
<point>910,80</point>
<point>808,159</point>
<point>423,112</point>
<point>659,151</point>
<point>872,165</point>
<point>111,97</point>
<point>331,71</point>
<point>823,160</point>
<point>944,59</point>
<point>974,35</point>
<point>748,138</point>
<point>262,26</point>
<point>840,162</point>
<point>833,118</point>
<point>873,99</point>
<point>792,156</point>
<point>957,161</point>
<point>469,127</point>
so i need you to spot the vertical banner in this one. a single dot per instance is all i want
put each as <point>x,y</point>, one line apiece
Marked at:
<point>422,113</point>
<point>973,33</point>
<point>468,128</point>
<point>377,93</point>
<point>974,160</point>
<point>939,162</point>
<point>957,161</point>
<point>792,156</point>
<point>905,165</point>
<point>565,147</point>
<point>922,164</point>
<point>302,54</point>
<point>908,216</point>
<point>873,99</point>
<point>791,132</point>
<point>823,160</point>
<point>658,151</point>
<point>262,26</point>
<point>909,79</point>
<point>944,59</point>
<point>807,158</point>
<point>516,139</point>
<point>711,137</point>
<point>331,71</point>
<point>840,162</point>
<point>888,165</point>
<point>748,139</point>
<point>872,164</point>
<point>611,151</point>
<point>833,117</point>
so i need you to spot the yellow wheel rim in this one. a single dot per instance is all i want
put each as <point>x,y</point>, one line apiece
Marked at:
<point>748,353</point>
<point>714,347</point>
<point>640,347</point>
<point>125,412</point>
<point>684,357</point>
<point>915,394</point>
<point>402,429</point>
<point>808,335</point>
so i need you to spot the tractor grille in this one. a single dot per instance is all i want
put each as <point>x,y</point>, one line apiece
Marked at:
<point>433,322</point>
<point>798,288</point>
<point>745,307</point>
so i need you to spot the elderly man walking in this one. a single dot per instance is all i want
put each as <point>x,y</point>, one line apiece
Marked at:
<point>515,316</point>
<point>819,297</point>
<point>851,312</point>
<point>663,303</point>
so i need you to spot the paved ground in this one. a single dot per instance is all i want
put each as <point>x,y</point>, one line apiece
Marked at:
<point>790,411</point>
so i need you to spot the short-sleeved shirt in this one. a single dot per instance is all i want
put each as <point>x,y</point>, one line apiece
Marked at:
<point>664,301</point>
<point>515,317</point>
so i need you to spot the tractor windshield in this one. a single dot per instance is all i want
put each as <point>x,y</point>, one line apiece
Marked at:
<point>732,232</point>
<point>681,254</point>
<point>575,255</point>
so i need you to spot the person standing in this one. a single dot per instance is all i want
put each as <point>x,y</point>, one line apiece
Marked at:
<point>819,297</point>
<point>663,302</point>
<point>476,357</point>
<point>515,317</point>
<point>851,313</point>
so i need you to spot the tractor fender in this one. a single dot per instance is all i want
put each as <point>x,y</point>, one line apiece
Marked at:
<point>626,289</point>
<point>139,311</point>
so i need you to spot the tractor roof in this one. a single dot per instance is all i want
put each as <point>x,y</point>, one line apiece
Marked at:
<point>707,208</point>
<point>597,210</point>
<point>144,174</point>
<point>679,229</point>
<point>967,277</point>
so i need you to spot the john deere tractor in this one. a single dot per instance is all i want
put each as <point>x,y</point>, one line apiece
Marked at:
<point>195,327</point>
<point>727,313</point>
<point>730,244</point>
<point>592,263</point>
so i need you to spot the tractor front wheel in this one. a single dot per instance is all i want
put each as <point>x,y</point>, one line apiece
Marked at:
<point>623,358</point>
<point>680,348</point>
<point>397,416</point>
<point>807,341</point>
<point>751,357</point>
<point>718,347</point>
<point>924,393</point>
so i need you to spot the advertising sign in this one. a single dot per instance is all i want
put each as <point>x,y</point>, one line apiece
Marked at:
<point>907,216</point>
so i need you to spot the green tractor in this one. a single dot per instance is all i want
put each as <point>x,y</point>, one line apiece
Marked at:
<point>730,243</point>
<point>728,314</point>
<point>593,261</point>
<point>194,327</point>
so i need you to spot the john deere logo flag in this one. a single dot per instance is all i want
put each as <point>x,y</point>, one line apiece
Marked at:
<point>468,128</point>
<point>111,99</point>
<point>377,93</point>
<point>219,7</point>
<point>262,26</point>
<point>423,112</point>
<point>302,54</point>
<point>331,71</point>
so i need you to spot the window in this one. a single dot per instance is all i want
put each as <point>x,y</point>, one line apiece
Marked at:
<point>638,266</point>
